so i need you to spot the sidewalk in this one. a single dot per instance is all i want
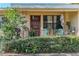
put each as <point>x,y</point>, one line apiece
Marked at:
<point>41,54</point>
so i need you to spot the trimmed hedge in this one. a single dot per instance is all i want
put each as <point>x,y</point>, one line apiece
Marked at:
<point>59,44</point>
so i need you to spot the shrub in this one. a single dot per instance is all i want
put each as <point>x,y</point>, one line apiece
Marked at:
<point>44,45</point>
<point>2,44</point>
<point>32,33</point>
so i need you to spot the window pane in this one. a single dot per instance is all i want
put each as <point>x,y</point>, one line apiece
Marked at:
<point>58,23</point>
<point>45,22</point>
<point>59,27</point>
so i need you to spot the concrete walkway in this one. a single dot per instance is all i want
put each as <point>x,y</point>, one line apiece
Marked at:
<point>41,54</point>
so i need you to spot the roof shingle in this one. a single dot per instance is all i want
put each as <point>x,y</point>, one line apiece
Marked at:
<point>44,5</point>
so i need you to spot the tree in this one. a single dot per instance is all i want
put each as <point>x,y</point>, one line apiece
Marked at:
<point>12,22</point>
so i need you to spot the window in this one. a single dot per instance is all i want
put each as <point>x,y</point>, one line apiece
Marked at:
<point>52,24</point>
<point>48,25</point>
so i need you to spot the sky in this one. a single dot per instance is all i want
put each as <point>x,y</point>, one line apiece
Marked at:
<point>4,5</point>
<point>39,1</point>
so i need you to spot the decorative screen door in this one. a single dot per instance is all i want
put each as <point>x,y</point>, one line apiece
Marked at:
<point>35,24</point>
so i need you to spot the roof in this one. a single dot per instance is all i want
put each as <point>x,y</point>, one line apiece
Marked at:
<point>44,5</point>
<point>39,5</point>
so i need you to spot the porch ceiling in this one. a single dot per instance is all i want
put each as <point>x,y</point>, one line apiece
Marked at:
<point>49,10</point>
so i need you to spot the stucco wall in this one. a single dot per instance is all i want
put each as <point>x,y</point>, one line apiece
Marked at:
<point>71,17</point>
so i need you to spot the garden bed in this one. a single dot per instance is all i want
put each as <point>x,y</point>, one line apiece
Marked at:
<point>56,44</point>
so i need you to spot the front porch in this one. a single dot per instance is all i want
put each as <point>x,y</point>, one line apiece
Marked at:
<point>47,23</point>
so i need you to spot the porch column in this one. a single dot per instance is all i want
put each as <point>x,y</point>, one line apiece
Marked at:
<point>77,25</point>
<point>41,26</point>
<point>28,21</point>
<point>66,20</point>
<point>24,33</point>
<point>62,22</point>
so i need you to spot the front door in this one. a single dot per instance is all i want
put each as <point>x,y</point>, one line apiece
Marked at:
<point>35,24</point>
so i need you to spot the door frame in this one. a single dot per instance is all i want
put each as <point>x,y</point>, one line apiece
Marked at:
<point>39,20</point>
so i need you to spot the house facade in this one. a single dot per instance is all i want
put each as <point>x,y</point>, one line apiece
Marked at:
<point>50,19</point>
